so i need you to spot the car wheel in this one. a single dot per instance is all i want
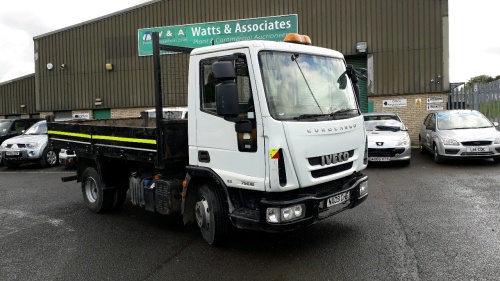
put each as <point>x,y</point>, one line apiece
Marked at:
<point>11,165</point>
<point>421,145</point>
<point>437,158</point>
<point>211,214</point>
<point>95,197</point>
<point>49,158</point>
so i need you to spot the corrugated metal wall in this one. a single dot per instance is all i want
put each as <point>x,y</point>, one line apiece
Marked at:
<point>406,39</point>
<point>18,92</point>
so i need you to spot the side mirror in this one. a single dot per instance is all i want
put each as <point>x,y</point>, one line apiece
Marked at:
<point>342,81</point>
<point>495,124</point>
<point>226,92</point>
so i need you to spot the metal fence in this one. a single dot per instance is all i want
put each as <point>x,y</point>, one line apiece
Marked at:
<point>481,97</point>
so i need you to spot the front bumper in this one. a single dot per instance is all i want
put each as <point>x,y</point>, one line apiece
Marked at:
<point>389,154</point>
<point>313,198</point>
<point>20,155</point>
<point>482,152</point>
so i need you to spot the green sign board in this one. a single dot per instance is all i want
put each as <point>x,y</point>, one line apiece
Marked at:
<point>214,33</point>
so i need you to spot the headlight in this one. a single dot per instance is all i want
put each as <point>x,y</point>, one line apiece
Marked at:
<point>497,141</point>
<point>447,141</point>
<point>3,145</point>
<point>33,145</point>
<point>363,189</point>
<point>277,215</point>
<point>404,142</point>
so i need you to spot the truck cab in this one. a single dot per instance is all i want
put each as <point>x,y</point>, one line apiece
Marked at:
<point>283,138</point>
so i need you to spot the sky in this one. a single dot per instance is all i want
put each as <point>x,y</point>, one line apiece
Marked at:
<point>473,26</point>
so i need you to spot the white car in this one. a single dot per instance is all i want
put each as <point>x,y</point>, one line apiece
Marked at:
<point>31,146</point>
<point>388,138</point>
<point>454,134</point>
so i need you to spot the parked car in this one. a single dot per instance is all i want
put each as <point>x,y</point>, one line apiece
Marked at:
<point>180,112</point>
<point>388,138</point>
<point>32,146</point>
<point>67,158</point>
<point>13,127</point>
<point>453,134</point>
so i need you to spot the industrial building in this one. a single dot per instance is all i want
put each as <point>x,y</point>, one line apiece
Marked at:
<point>96,69</point>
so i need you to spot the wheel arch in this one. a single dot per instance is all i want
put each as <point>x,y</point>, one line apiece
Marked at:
<point>196,176</point>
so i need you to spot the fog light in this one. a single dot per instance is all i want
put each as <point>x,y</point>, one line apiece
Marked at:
<point>273,215</point>
<point>363,189</point>
<point>31,153</point>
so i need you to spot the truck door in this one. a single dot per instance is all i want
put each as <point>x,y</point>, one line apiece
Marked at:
<point>238,158</point>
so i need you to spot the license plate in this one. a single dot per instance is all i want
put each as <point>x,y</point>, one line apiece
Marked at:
<point>478,149</point>
<point>11,153</point>
<point>341,198</point>
<point>379,158</point>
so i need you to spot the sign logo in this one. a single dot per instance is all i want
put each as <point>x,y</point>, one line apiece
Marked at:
<point>334,158</point>
<point>379,143</point>
<point>213,33</point>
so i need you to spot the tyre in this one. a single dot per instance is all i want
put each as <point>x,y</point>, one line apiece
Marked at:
<point>49,158</point>
<point>119,199</point>
<point>211,214</point>
<point>11,165</point>
<point>421,146</point>
<point>95,197</point>
<point>437,158</point>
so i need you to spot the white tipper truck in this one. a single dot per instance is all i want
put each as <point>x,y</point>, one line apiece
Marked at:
<point>275,140</point>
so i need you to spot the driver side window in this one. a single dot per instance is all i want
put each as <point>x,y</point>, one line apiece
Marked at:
<point>208,82</point>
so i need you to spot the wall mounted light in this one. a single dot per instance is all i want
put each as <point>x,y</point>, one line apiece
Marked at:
<point>22,106</point>
<point>361,47</point>
<point>109,66</point>
<point>63,66</point>
<point>98,101</point>
<point>50,66</point>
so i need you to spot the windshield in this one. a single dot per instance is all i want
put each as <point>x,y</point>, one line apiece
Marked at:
<point>39,128</point>
<point>466,120</point>
<point>299,86</point>
<point>384,125</point>
<point>5,127</point>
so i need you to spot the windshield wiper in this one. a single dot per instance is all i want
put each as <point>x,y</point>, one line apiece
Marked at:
<point>294,58</point>
<point>307,116</point>
<point>333,114</point>
<point>340,111</point>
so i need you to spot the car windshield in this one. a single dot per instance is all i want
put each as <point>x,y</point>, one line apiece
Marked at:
<point>384,125</point>
<point>37,129</point>
<point>465,120</point>
<point>306,87</point>
<point>4,127</point>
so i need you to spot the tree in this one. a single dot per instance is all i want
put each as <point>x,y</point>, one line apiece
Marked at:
<point>481,79</point>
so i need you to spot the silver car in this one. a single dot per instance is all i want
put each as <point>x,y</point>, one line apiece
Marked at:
<point>32,146</point>
<point>388,138</point>
<point>453,134</point>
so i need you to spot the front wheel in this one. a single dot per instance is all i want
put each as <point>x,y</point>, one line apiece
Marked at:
<point>49,158</point>
<point>95,197</point>
<point>437,158</point>
<point>211,214</point>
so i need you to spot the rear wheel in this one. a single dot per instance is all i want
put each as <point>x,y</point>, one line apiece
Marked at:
<point>95,197</point>
<point>119,199</point>
<point>211,214</point>
<point>437,158</point>
<point>49,158</point>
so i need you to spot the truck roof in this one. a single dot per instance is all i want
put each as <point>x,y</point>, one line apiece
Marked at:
<point>268,45</point>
